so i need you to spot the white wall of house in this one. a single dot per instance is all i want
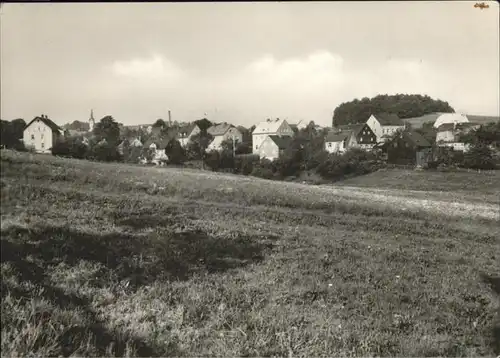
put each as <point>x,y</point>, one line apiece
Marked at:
<point>234,132</point>
<point>231,133</point>
<point>159,154</point>
<point>268,149</point>
<point>283,130</point>
<point>390,130</point>
<point>39,136</point>
<point>375,126</point>
<point>185,141</point>
<point>381,130</point>
<point>366,146</point>
<point>445,136</point>
<point>335,147</point>
<point>257,140</point>
<point>458,146</point>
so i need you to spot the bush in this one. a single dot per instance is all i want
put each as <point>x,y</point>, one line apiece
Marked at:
<point>448,157</point>
<point>71,148</point>
<point>479,157</point>
<point>212,160</point>
<point>433,164</point>
<point>352,162</point>
<point>105,153</point>
<point>244,164</point>
<point>262,172</point>
<point>175,152</point>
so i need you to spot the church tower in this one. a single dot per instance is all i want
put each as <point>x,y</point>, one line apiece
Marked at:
<point>91,120</point>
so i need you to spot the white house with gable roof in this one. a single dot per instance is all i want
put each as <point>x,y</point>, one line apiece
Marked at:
<point>275,127</point>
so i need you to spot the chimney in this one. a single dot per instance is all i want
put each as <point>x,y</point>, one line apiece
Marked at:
<point>169,116</point>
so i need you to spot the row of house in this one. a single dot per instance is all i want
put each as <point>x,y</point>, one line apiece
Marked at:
<point>272,136</point>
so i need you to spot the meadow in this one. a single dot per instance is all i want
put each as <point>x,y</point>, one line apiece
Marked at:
<point>111,259</point>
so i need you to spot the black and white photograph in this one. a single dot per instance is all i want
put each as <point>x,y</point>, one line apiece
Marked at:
<point>250,179</point>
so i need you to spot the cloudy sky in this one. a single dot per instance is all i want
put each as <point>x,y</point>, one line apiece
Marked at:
<point>242,62</point>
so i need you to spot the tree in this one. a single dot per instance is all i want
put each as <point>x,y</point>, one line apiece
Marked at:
<point>213,160</point>
<point>18,126</point>
<point>196,147</point>
<point>77,126</point>
<point>72,147</point>
<point>245,147</point>
<point>203,124</point>
<point>105,152</point>
<point>488,135</point>
<point>404,105</point>
<point>107,128</point>
<point>479,156</point>
<point>175,152</point>
<point>12,133</point>
<point>160,123</point>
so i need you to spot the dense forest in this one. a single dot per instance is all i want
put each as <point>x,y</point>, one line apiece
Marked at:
<point>404,105</point>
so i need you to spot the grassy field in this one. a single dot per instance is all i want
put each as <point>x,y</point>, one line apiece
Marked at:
<point>120,260</point>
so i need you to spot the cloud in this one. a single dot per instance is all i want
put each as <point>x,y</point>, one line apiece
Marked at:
<point>320,68</point>
<point>155,68</point>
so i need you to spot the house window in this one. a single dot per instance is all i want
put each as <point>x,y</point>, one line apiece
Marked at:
<point>32,137</point>
<point>42,135</point>
<point>329,145</point>
<point>43,145</point>
<point>256,147</point>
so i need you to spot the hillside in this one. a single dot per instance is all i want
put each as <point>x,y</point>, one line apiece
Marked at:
<point>113,259</point>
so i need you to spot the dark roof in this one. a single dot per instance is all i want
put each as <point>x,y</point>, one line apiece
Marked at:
<point>281,142</point>
<point>219,129</point>
<point>187,129</point>
<point>161,143</point>
<point>54,127</point>
<point>354,128</point>
<point>458,126</point>
<point>337,137</point>
<point>416,139</point>
<point>389,119</point>
<point>446,127</point>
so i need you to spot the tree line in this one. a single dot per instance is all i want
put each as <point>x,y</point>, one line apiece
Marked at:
<point>404,105</point>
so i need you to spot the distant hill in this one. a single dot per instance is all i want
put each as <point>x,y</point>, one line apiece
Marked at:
<point>403,105</point>
<point>482,119</point>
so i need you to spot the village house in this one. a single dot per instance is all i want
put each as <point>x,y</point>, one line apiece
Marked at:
<point>41,134</point>
<point>158,145</point>
<point>277,127</point>
<point>131,143</point>
<point>336,142</point>
<point>186,132</point>
<point>222,132</point>
<point>452,118</point>
<point>348,136</point>
<point>448,135</point>
<point>384,125</point>
<point>408,148</point>
<point>302,124</point>
<point>273,146</point>
<point>436,119</point>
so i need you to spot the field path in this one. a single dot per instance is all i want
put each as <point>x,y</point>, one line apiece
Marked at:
<point>451,204</point>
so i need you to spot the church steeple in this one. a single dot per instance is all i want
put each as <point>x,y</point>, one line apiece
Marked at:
<point>91,120</point>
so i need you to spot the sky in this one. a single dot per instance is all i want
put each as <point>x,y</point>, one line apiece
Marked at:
<point>242,62</point>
